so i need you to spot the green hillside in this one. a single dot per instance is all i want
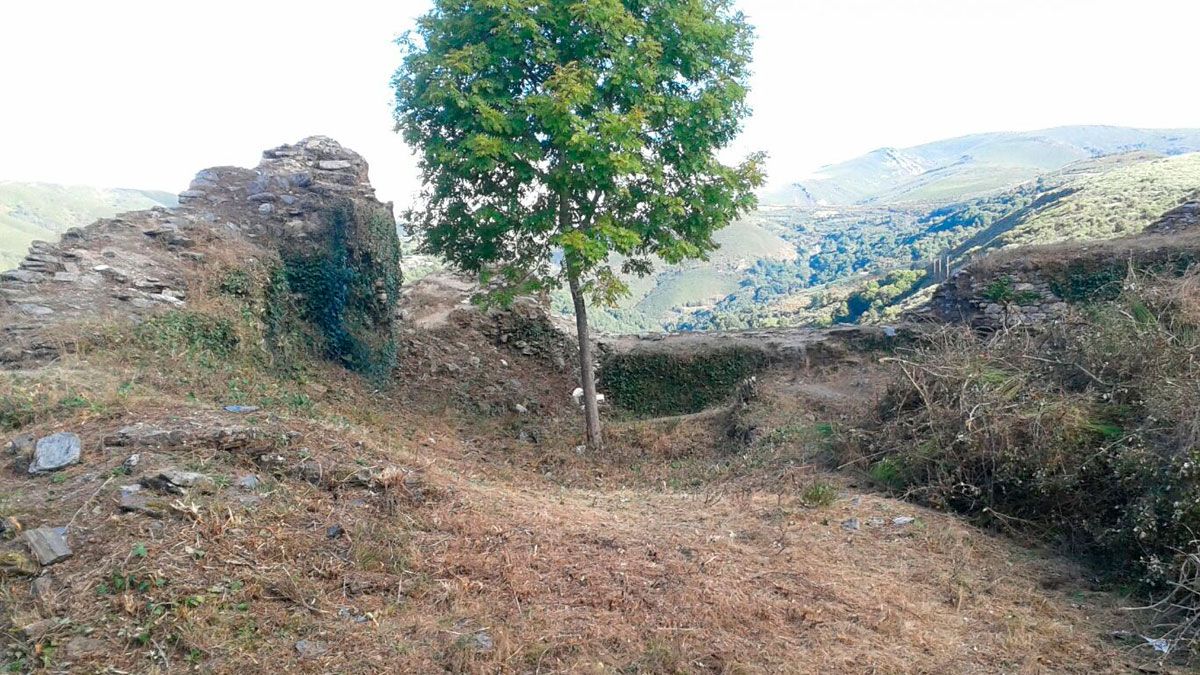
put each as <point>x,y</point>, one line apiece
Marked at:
<point>674,292</point>
<point>30,211</point>
<point>971,166</point>
<point>1113,203</point>
<point>858,252</point>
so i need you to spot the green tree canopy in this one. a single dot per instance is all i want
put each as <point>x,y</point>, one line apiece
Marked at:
<point>589,127</point>
<point>554,134</point>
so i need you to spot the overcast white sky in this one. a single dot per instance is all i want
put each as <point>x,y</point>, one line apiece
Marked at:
<point>143,93</point>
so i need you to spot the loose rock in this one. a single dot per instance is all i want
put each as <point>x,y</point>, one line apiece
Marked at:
<point>241,409</point>
<point>308,649</point>
<point>16,564</point>
<point>85,648</point>
<point>55,452</point>
<point>21,446</point>
<point>174,481</point>
<point>48,545</point>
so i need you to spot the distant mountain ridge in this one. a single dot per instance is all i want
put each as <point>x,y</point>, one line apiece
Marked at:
<point>30,211</point>
<point>971,166</point>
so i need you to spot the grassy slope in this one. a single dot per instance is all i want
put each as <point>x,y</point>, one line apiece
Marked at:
<point>1112,203</point>
<point>31,211</point>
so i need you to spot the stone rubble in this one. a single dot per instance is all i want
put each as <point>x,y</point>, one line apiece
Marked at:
<point>48,545</point>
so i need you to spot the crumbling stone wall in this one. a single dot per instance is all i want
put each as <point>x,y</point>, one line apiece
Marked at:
<point>311,205</point>
<point>1036,285</point>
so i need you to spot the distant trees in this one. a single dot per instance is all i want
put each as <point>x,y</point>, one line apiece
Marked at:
<point>870,301</point>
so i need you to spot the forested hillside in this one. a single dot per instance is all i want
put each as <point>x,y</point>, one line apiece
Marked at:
<point>862,262</point>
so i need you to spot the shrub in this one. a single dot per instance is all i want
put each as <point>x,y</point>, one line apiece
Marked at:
<point>1086,435</point>
<point>819,495</point>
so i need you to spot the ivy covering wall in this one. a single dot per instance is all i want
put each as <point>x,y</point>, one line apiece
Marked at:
<point>667,383</point>
<point>349,285</point>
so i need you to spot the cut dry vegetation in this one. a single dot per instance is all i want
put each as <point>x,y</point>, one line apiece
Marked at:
<point>429,526</point>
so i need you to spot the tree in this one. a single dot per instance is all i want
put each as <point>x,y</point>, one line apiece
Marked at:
<point>558,138</point>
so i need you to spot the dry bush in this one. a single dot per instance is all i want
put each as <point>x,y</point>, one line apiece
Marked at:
<point>1085,435</point>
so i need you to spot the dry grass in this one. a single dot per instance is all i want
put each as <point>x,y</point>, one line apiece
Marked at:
<point>473,550</point>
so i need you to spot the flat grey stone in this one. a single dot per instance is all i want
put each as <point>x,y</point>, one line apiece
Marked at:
<point>134,500</point>
<point>55,452</point>
<point>308,649</point>
<point>170,300</point>
<point>241,409</point>
<point>35,310</point>
<point>334,164</point>
<point>250,482</point>
<point>48,545</point>
<point>21,276</point>
<point>174,481</point>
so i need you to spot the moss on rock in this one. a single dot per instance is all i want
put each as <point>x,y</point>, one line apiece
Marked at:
<point>348,286</point>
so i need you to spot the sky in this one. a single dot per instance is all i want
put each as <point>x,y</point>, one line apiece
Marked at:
<point>140,93</point>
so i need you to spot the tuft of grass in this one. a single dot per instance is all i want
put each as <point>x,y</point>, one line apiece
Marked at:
<point>819,495</point>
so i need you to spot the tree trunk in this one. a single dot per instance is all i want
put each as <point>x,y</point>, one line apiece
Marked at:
<point>587,373</point>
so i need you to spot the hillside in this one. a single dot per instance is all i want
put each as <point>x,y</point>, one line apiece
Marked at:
<point>899,209</point>
<point>42,211</point>
<point>859,250</point>
<point>212,467</point>
<point>970,166</point>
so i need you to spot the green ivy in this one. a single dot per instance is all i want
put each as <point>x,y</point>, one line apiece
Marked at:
<point>1004,292</point>
<point>1086,282</point>
<point>192,331</point>
<point>348,288</point>
<point>661,383</point>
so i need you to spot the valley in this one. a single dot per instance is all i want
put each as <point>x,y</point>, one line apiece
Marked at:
<point>42,211</point>
<point>1022,189</point>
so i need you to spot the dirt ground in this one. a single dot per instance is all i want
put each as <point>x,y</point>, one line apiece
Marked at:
<point>431,527</point>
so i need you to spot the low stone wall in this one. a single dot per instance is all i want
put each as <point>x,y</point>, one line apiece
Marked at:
<point>1036,285</point>
<point>684,373</point>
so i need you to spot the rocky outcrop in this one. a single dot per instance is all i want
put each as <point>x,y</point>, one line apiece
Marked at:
<point>310,205</point>
<point>1183,218</point>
